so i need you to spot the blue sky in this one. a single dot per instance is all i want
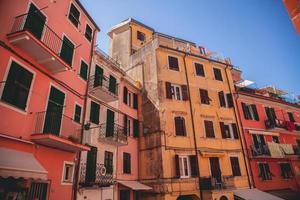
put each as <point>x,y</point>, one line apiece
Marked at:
<point>257,35</point>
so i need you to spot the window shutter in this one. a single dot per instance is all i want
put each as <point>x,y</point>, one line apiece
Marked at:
<point>245,111</point>
<point>204,96</point>
<point>235,166</point>
<point>235,131</point>
<point>177,168</point>
<point>125,94</point>
<point>83,70</point>
<point>291,117</point>
<point>91,165</point>
<point>180,126</point>
<point>253,106</point>
<point>110,119</point>
<point>125,125</point>
<point>229,100</point>
<point>112,87</point>
<point>168,90</point>
<point>222,99</point>
<point>209,129</point>
<point>218,74</point>
<point>224,130</point>
<point>173,63</point>
<point>199,69</point>
<point>184,91</point>
<point>67,51</point>
<point>135,101</point>
<point>77,114</point>
<point>94,113</point>
<point>98,76</point>
<point>193,164</point>
<point>135,128</point>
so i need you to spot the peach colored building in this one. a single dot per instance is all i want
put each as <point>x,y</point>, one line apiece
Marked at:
<point>46,48</point>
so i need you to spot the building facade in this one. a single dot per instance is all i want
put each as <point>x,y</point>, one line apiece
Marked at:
<point>190,147</point>
<point>43,46</point>
<point>271,133</point>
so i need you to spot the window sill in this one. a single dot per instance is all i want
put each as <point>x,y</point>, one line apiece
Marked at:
<point>67,182</point>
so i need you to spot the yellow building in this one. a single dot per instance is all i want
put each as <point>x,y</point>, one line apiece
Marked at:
<point>190,146</point>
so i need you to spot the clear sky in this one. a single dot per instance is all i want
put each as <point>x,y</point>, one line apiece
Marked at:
<point>257,35</point>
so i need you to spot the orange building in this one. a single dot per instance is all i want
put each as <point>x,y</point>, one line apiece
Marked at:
<point>293,8</point>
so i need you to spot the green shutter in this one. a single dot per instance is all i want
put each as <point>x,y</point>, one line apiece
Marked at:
<point>74,15</point>
<point>35,22</point>
<point>256,117</point>
<point>136,128</point>
<point>112,84</point>
<point>77,114</point>
<point>91,162</point>
<point>135,101</point>
<point>94,113</point>
<point>98,76</point>
<point>83,70</point>
<point>125,94</point>
<point>110,118</point>
<point>125,125</point>
<point>67,50</point>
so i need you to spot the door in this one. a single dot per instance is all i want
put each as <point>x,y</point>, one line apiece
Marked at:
<point>124,194</point>
<point>54,112</point>
<point>110,118</point>
<point>35,22</point>
<point>91,162</point>
<point>215,169</point>
<point>98,76</point>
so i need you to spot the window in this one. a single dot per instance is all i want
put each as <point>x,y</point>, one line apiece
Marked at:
<point>74,15</point>
<point>275,139</point>
<point>68,172</point>
<point>108,162</point>
<point>229,130</point>
<point>286,171</point>
<point>125,95</point>
<point>173,63</point>
<point>270,112</point>
<point>88,32</point>
<point>177,92</point>
<point>91,165</point>
<point>17,86</point>
<point>110,122</point>
<point>67,50</point>
<point>180,126</point>
<point>209,129</point>
<point>127,125</point>
<point>126,163</point>
<point>77,113</point>
<point>250,112</point>
<point>264,171</point>
<point>38,190</point>
<point>225,100</point>
<point>182,166</point>
<point>141,36</point>
<point>199,69</point>
<point>291,117</point>
<point>236,171</point>
<point>218,74</point>
<point>94,112</point>
<point>124,194</point>
<point>83,70</point>
<point>136,128</point>
<point>112,86</point>
<point>135,101</point>
<point>204,98</point>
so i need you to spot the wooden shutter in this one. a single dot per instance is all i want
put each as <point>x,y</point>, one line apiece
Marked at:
<point>177,168</point>
<point>218,74</point>
<point>291,117</point>
<point>83,70</point>
<point>184,91</point>
<point>168,90</point>
<point>173,63</point>
<point>222,99</point>
<point>199,69</point>
<point>245,111</point>
<point>108,162</point>
<point>74,15</point>
<point>229,100</point>
<point>180,126</point>
<point>110,119</point>
<point>77,114</point>
<point>235,166</point>
<point>98,80</point>
<point>235,131</point>
<point>194,166</point>
<point>126,163</point>
<point>91,165</point>
<point>204,96</point>
<point>135,101</point>
<point>256,117</point>
<point>224,130</point>
<point>125,125</point>
<point>112,84</point>
<point>94,112</point>
<point>125,94</point>
<point>88,32</point>
<point>209,129</point>
<point>35,22</point>
<point>135,128</point>
<point>67,50</point>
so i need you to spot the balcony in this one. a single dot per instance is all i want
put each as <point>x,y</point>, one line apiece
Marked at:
<point>277,123</point>
<point>31,34</point>
<point>57,131</point>
<point>211,183</point>
<point>261,150</point>
<point>113,134</point>
<point>100,178</point>
<point>103,88</point>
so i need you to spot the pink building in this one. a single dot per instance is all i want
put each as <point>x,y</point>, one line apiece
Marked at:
<point>46,50</point>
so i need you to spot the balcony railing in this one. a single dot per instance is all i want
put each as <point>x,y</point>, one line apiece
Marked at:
<point>211,183</point>
<point>35,25</point>
<point>113,133</point>
<point>108,58</point>
<point>261,150</point>
<point>101,178</point>
<point>57,124</point>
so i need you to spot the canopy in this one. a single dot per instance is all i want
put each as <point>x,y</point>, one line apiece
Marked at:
<point>254,194</point>
<point>19,164</point>
<point>135,185</point>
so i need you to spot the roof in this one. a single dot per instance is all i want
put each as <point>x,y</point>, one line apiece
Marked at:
<point>19,164</point>
<point>87,14</point>
<point>135,185</point>
<point>175,38</point>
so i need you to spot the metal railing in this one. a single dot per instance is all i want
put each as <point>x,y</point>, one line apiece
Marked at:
<point>103,82</point>
<point>101,177</point>
<point>108,58</point>
<point>47,36</point>
<point>261,150</point>
<point>212,183</point>
<point>57,124</point>
<point>113,132</point>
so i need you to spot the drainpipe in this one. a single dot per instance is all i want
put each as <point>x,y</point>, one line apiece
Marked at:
<point>238,117</point>
<point>193,124</point>
<point>77,166</point>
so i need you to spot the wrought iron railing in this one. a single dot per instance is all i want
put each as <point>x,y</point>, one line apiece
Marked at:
<point>103,82</point>
<point>113,132</point>
<point>100,177</point>
<point>108,58</point>
<point>261,150</point>
<point>212,183</point>
<point>48,37</point>
<point>57,124</point>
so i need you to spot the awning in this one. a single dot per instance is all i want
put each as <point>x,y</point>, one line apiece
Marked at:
<point>208,152</point>
<point>135,185</point>
<point>254,194</point>
<point>20,164</point>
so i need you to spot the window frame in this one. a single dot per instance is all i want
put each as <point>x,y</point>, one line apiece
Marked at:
<point>126,165</point>
<point>63,180</point>
<point>205,130</point>
<point>173,68</point>
<point>195,67</point>
<point>182,169</point>
<point>87,71</point>
<point>107,155</point>
<point>184,134</point>
<point>238,172</point>
<point>90,117</point>
<point>267,175</point>
<point>69,13</point>
<point>140,33</point>
<point>174,91</point>
<point>204,99</point>
<point>285,174</point>
<point>74,50</point>
<point>217,70</point>
<point>85,35</point>
<point>80,117</point>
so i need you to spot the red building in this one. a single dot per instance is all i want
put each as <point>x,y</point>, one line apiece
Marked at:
<point>271,134</point>
<point>46,49</point>
<point>293,9</point>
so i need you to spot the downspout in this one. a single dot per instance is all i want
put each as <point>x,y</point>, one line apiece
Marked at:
<point>77,166</point>
<point>237,116</point>
<point>193,124</point>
